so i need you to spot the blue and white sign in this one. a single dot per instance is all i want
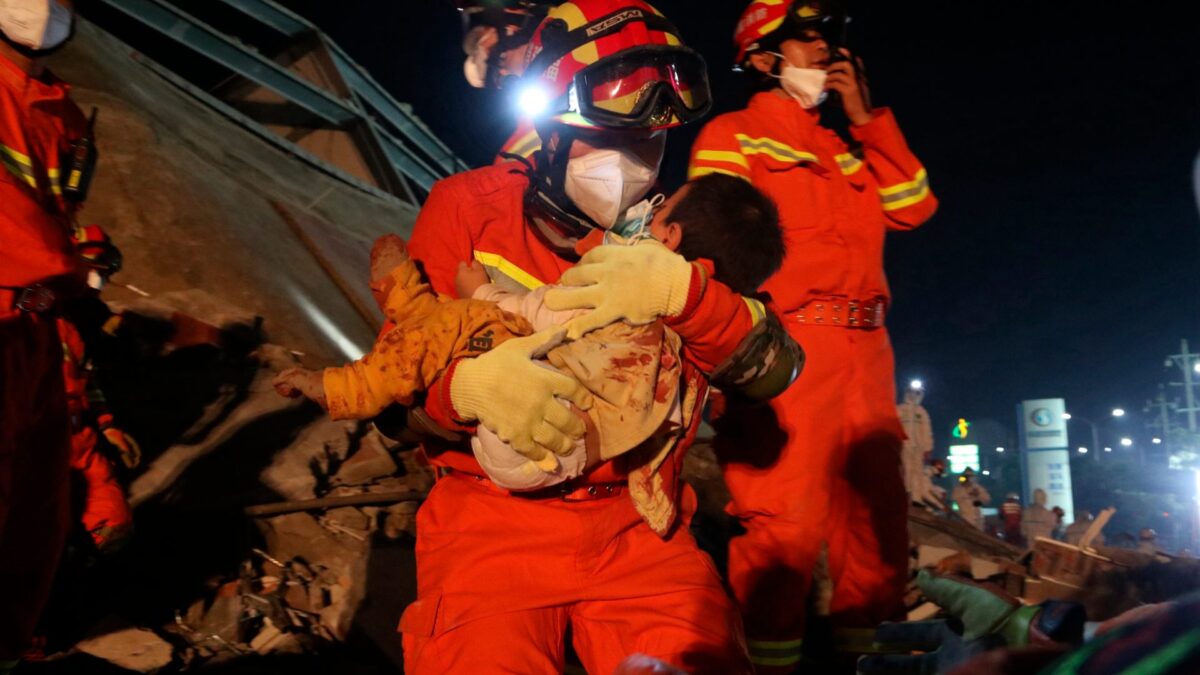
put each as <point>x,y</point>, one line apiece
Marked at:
<point>1045,459</point>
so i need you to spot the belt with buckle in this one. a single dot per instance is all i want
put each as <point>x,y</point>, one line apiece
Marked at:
<point>843,313</point>
<point>568,491</point>
<point>36,298</point>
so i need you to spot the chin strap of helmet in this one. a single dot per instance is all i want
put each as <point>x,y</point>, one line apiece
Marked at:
<point>563,224</point>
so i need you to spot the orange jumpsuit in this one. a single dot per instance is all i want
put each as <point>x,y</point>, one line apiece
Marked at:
<point>37,121</point>
<point>104,502</point>
<point>500,576</point>
<point>821,465</point>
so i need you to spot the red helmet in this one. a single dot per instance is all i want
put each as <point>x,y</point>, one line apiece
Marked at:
<point>764,17</point>
<point>612,64</point>
<point>97,250</point>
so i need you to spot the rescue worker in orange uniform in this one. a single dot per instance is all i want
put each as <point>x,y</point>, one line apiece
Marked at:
<point>502,575</point>
<point>821,466</point>
<point>105,511</point>
<point>40,128</point>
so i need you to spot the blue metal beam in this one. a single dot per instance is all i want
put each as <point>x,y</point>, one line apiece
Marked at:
<point>359,81</point>
<point>210,42</point>
<point>273,15</point>
<point>285,146</point>
<point>340,113</point>
<point>403,159</point>
<point>396,113</point>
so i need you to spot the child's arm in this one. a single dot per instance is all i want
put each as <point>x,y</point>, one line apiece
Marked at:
<point>297,382</point>
<point>405,360</point>
<point>396,282</point>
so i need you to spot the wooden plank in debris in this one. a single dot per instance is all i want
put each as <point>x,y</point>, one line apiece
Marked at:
<point>1096,527</point>
<point>365,499</point>
<point>943,532</point>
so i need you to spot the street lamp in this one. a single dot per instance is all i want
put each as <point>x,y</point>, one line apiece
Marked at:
<point>1118,412</point>
<point>1095,431</point>
<point>916,385</point>
<point>1126,442</point>
<point>1156,440</point>
<point>999,449</point>
<point>1083,451</point>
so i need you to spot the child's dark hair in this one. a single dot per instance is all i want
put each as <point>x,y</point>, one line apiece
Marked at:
<point>733,224</point>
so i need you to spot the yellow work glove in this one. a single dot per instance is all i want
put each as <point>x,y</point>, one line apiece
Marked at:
<point>515,398</point>
<point>637,284</point>
<point>131,452</point>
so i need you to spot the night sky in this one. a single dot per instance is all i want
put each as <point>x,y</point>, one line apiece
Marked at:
<point>1059,137</point>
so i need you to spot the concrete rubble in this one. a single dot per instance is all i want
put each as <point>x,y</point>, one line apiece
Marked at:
<point>1106,580</point>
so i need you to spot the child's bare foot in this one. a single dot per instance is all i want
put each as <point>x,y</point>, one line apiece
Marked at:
<point>469,277</point>
<point>388,253</point>
<point>297,382</point>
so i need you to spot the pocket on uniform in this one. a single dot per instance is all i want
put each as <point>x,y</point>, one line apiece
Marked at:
<point>420,618</point>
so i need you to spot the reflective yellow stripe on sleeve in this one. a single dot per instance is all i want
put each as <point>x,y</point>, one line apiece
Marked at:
<point>698,171</point>
<point>774,149</point>
<point>525,145</point>
<point>849,164</point>
<point>18,164</point>
<point>508,269</point>
<point>898,196</point>
<point>727,156</point>
<point>757,311</point>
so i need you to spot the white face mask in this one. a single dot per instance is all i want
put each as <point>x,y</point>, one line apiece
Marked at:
<point>36,24</point>
<point>604,183</point>
<point>806,85</point>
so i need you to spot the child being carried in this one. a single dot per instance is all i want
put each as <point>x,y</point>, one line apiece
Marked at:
<point>633,372</point>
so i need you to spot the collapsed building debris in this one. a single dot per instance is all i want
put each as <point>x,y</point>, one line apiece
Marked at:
<point>1105,580</point>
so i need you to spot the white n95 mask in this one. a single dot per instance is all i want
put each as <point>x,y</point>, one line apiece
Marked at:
<point>806,85</point>
<point>37,25</point>
<point>604,183</point>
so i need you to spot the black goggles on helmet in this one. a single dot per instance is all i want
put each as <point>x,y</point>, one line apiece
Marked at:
<point>654,86</point>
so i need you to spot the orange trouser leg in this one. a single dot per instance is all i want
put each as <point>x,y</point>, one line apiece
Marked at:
<point>34,487</point>
<point>816,469</point>
<point>528,641</point>
<point>500,577</point>
<point>868,553</point>
<point>689,628</point>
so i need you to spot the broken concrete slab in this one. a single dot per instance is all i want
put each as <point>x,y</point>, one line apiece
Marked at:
<point>128,647</point>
